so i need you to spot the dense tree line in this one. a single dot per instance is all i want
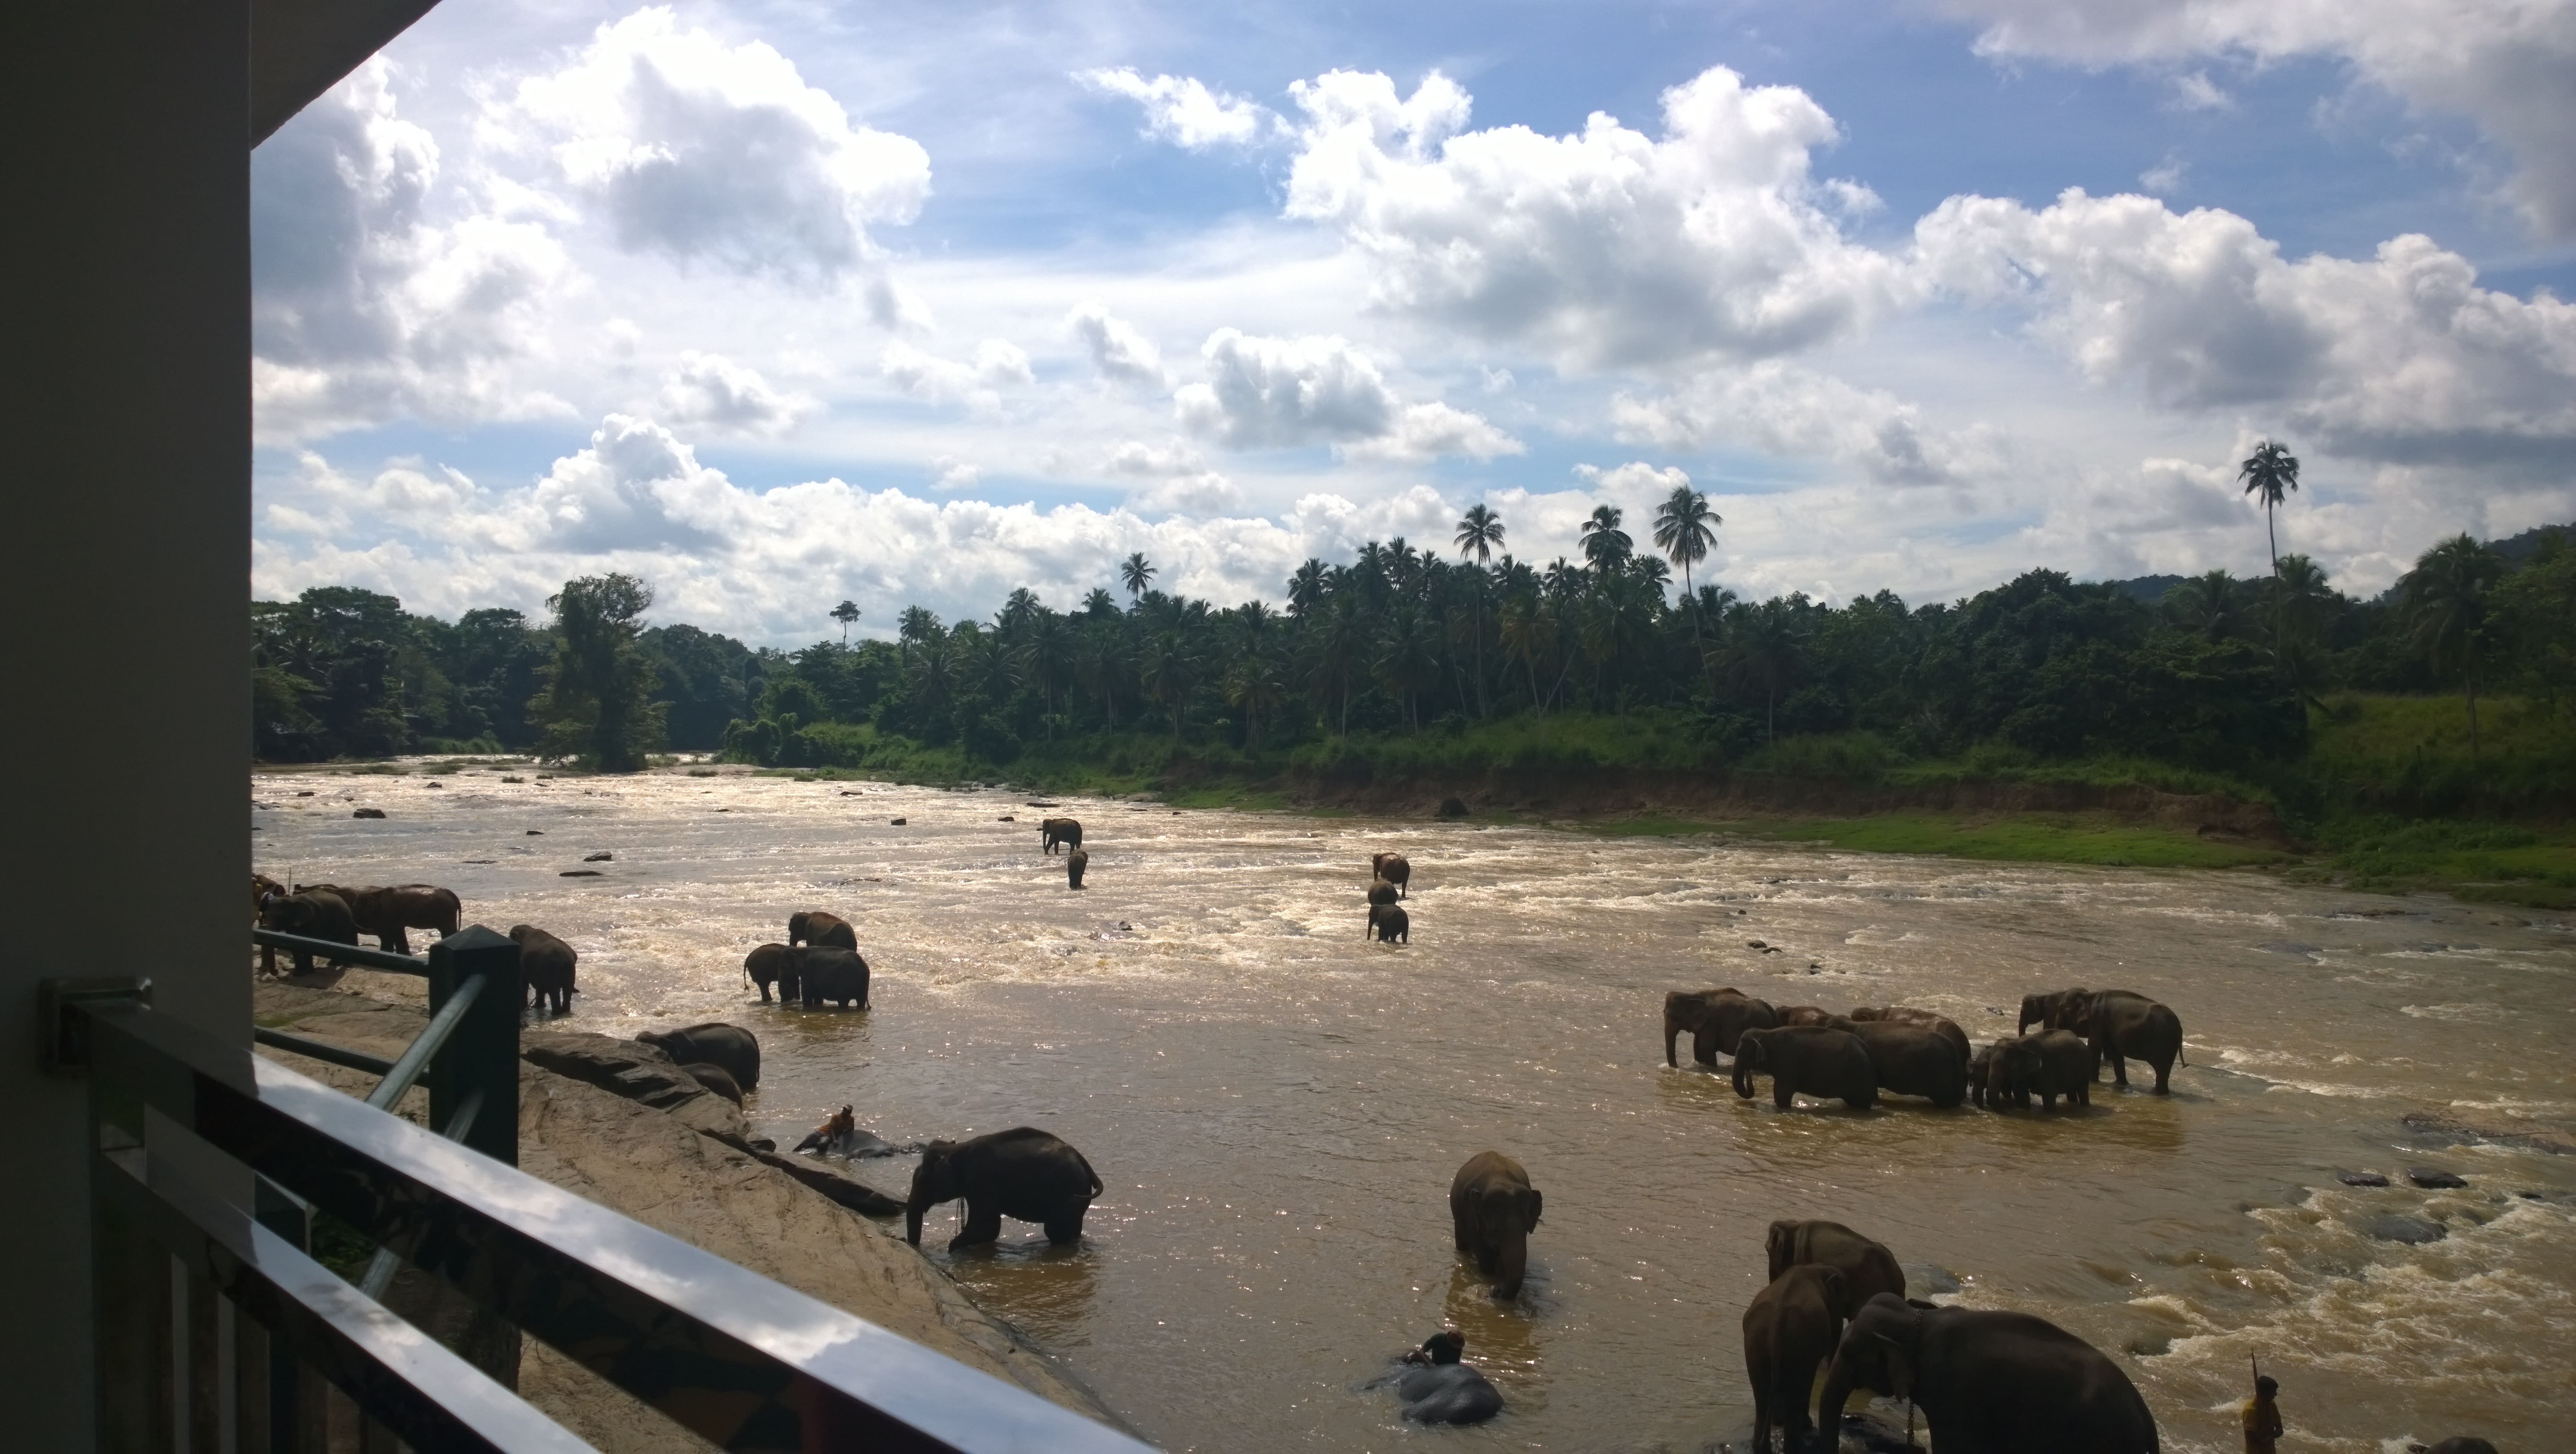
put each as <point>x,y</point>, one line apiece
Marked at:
<point>2210,671</point>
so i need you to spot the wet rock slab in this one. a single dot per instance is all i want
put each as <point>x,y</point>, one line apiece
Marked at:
<point>2398,1227</point>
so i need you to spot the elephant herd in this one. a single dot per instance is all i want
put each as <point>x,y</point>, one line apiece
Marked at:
<point>1901,1050</point>
<point>1389,879</point>
<point>338,915</point>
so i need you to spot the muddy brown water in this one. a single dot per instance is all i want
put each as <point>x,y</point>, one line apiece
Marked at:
<point>1277,1107</point>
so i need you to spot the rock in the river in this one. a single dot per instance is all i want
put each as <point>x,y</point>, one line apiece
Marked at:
<point>368,813</point>
<point>2433,1177</point>
<point>2398,1227</point>
<point>897,822</point>
<point>2361,1178</point>
<point>630,1068</point>
<point>602,857</point>
<point>579,873</point>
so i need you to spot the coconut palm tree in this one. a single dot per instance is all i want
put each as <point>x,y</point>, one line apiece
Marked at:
<point>1409,658</point>
<point>1605,546</point>
<point>1337,651</point>
<point>2271,473</point>
<point>1765,649</point>
<point>1528,632</point>
<point>1685,527</point>
<point>2446,612</point>
<point>845,613</point>
<point>1480,534</point>
<point>1170,669</point>
<point>915,627</point>
<point>1137,572</point>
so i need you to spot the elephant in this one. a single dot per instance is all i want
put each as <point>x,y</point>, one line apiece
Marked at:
<point>1981,1069</point>
<point>1794,1015</point>
<point>1433,1387</point>
<point>1989,1382</point>
<point>262,889</point>
<point>387,912</point>
<point>1054,833</point>
<point>772,964</point>
<point>1076,864</point>
<point>1914,1060</point>
<point>1813,1060</point>
<point>1023,1173</point>
<point>310,914</point>
<point>1790,1329</point>
<point>1908,1015</point>
<point>1493,1209</point>
<point>2049,1064</point>
<point>838,975</point>
<point>730,1046</point>
<point>715,1078</point>
<point>1394,869</point>
<point>2049,1011</point>
<point>2122,1024</point>
<point>822,930</point>
<point>1382,892</point>
<point>1715,1018</point>
<point>1390,923</point>
<point>1868,1268</point>
<point>2457,1444</point>
<point>547,966</point>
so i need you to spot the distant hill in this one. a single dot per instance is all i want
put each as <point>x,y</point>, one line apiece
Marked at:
<point>2514,548</point>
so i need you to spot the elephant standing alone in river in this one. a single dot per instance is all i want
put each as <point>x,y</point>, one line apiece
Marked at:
<point>1054,833</point>
<point>1989,1382</point>
<point>1493,1209</point>
<point>1023,1173</point>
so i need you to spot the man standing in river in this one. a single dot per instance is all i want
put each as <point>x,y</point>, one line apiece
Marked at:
<point>2262,1416</point>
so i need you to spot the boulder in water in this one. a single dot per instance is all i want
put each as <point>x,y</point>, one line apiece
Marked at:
<point>2397,1227</point>
<point>2361,1178</point>
<point>2433,1177</point>
<point>368,813</point>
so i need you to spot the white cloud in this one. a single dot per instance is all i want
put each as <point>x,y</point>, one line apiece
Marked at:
<point>1155,461</point>
<point>1271,393</point>
<point>2508,65</point>
<point>2399,357</point>
<point>998,362</point>
<point>2195,91</point>
<point>1182,110</point>
<point>2165,177</point>
<point>952,474</point>
<point>1636,479</point>
<point>712,391</point>
<point>1118,350</point>
<point>1180,478</point>
<point>1795,413</point>
<point>364,310</point>
<point>700,150</point>
<point>1606,249</point>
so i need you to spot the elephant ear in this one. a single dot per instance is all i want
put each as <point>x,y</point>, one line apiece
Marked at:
<point>1532,1223</point>
<point>1899,1365</point>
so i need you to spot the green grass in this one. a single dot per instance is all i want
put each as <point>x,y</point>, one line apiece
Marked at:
<point>2482,861</point>
<point>1646,738</point>
<point>2410,756</point>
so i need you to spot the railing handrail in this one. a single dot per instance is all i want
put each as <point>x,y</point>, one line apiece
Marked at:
<point>339,953</point>
<point>742,1361</point>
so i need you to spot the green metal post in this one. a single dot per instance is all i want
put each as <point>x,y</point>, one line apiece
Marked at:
<point>480,1061</point>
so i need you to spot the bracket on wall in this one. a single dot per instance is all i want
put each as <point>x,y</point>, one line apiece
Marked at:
<point>66,1034</point>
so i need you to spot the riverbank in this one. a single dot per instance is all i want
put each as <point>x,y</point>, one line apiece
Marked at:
<point>662,1170</point>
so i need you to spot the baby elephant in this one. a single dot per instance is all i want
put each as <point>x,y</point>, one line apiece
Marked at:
<point>1494,1209</point>
<point>1790,1329</point>
<point>1076,864</point>
<point>546,966</point>
<point>715,1078</point>
<point>1390,923</point>
<point>1392,868</point>
<point>1024,1173</point>
<point>1054,833</point>
<point>772,964</point>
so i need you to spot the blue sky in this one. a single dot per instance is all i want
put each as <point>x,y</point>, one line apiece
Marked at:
<point>778,304</point>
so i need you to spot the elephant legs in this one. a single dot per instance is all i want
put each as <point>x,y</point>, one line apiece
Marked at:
<point>983,1226</point>
<point>1704,1046</point>
<point>1783,1094</point>
<point>2119,1069</point>
<point>1067,1228</point>
<point>396,942</point>
<point>2163,1068</point>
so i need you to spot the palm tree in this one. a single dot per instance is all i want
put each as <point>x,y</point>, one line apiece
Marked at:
<point>915,627</point>
<point>1765,649</point>
<point>845,613</point>
<point>2271,473</point>
<point>1529,633</point>
<point>1102,660</point>
<point>2446,611</point>
<point>1137,572</point>
<point>1307,588</point>
<point>1685,527</point>
<point>1409,658</point>
<point>1170,670</point>
<point>1337,647</point>
<point>2302,603</point>
<point>2206,603</point>
<point>1618,622</point>
<point>1480,533</point>
<point>1053,657</point>
<point>1605,545</point>
<point>1253,684</point>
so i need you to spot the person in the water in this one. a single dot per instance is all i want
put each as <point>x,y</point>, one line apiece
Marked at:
<point>1435,1388</point>
<point>2262,1417</point>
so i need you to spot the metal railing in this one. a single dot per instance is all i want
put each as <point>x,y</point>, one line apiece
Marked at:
<point>218,1331</point>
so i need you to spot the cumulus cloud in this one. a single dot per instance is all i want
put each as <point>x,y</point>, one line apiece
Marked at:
<point>1117,349</point>
<point>998,362</point>
<point>951,473</point>
<point>2507,65</point>
<point>1273,393</point>
<point>364,309</point>
<point>1179,478</point>
<point>711,391</point>
<point>1795,413</point>
<point>1635,480</point>
<point>2400,356</point>
<point>1606,249</point>
<point>1182,110</point>
<point>703,151</point>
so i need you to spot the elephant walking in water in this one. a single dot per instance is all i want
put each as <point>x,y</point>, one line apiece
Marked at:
<point>1715,1019</point>
<point>1023,1173</point>
<point>547,966</point>
<point>1790,1329</point>
<point>1054,833</point>
<point>1393,868</point>
<point>1493,1209</point>
<point>1390,923</point>
<point>773,964</point>
<point>1989,1382</point>
<point>2121,1024</point>
<point>1814,1060</point>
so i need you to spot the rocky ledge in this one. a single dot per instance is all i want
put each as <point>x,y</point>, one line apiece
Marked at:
<point>685,1166</point>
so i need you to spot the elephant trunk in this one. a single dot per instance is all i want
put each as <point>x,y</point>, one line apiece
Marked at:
<point>1743,1073</point>
<point>1511,1268</point>
<point>1829,1406</point>
<point>912,1213</point>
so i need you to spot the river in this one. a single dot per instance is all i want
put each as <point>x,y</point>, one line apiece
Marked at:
<point>1277,1107</point>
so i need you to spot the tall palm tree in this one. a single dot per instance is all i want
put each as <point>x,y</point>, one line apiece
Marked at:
<point>1528,632</point>
<point>1765,649</point>
<point>1253,684</point>
<point>1480,534</point>
<point>2270,473</point>
<point>845,613</point>
<point>2446,611</point>
<point>1685,527</point>
<point>1618,622</point>
<point>1137,572</point>
<point>1307,588</point>
<point>1102,659</point>
<point>915,627</point>
<point>1409,658</point>
<point>1168,672</point>
<point>1053,658</point>
<point>1605,545</point>
<point>1337,650</point>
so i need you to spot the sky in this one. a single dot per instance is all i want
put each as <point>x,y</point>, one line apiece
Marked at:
<point>780,304</point>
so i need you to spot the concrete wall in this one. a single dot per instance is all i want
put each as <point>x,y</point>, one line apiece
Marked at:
<point>124,573</point>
